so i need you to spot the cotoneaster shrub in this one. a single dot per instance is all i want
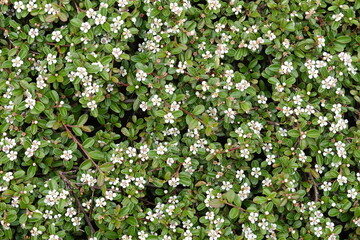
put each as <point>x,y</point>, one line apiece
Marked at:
<point>179,119</point>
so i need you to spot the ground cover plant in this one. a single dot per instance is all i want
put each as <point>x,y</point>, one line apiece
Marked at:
<point>182,119</point>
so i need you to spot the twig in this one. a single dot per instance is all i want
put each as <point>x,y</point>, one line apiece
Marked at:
<point>130,100</point>
<point>82,148</point>
<point>72,126</point>
<point>146,201</point>
<point>97,188</point>
<point>122,84</point>
<point>189,113</point>
<point>272,123</point>
<point>54,44</point>
<point>155,169</point>
<point>68,184</point>
<point>230,204</point>
<point>92,202</point>
<point>316,192</point>
<point>4,29</point>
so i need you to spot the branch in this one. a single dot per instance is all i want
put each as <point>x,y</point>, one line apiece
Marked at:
<point>82,148</point>
<point>316,192</point>
<point>4,29</point>
<point>230,204</point>
<point>189,113</point>
<point>54,44</point>
<point>122,84</point>
<point>68,184</point>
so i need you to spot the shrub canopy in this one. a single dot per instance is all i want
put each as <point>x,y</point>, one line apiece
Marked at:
<point>179,119</point>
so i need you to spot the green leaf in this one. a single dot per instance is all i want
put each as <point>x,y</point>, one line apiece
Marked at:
<point>97,155</point>
<point>199,109</point>
<point>19,173</point>
<point>230,196</point>
<point>132,221</point>
<point>246,106</point>
<point>76,22</point>
<point>106,167</point>
<point>290,27</point>
<point>234,213</point>
<point>82,119</point>
<point>333,212</point>
<point>343,39</point>
<point>260,200</point>
<point>313,133</point>
<point>88,142</point>
<point>185,178</point>
<point>86,164</point>
<point>106,60</point>
<point>39,107</point>
<point>294,133</point>
<point>111,235</point>
<point>217,203</point>
<point>7,64</point>
<point>160,113</point>
<point>54,96</point>
<point>124,211</point>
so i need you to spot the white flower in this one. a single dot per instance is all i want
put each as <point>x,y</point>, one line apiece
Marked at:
<point>51,59</point>
<point>253,217</point>
<point>174,182</point>
<point>256,172</point>
<point>318,231</point>
<point>100,202</point>
<point>70,212</point>
<point>126,33</point>
<point>352,193</point>
<point>169,118</point>
<point>17,62</point>
<point>33,32</point>
<point>286,43</point>
<point>286,67</point>
<point>337,17</point>
<point>144,106</point>
<point>8,177</point>
<point>67,155</point>
<point>323,121</point>
<point>174,7</point>
<point>35,232</point>
<point>342,179</point>
<point>270,159</point>
<point>156,100</point>
<point>141,75</point>
<point>329,82</point>
<point>76,221</point>
<point>117,52</point>
<point>100,19</point>
<point>19,6</point>
<point>237,9</point>
<point>54,237</point>
<point>56,35</point>
<point>169,88</point>
<point>214,4</point>
<point>262,99</point>
<point>270,35</point>
<point>85,27</point>
<point>230,113</point>
<point>92,105</point>
<point>109,195</point>
<point>161,150</point>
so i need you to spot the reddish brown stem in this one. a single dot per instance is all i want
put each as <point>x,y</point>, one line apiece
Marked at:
<point>189,113</point>
<point>82,148</point>
<point>71,188</point>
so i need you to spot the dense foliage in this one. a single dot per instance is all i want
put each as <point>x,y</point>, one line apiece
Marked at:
<point>178,119</point>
